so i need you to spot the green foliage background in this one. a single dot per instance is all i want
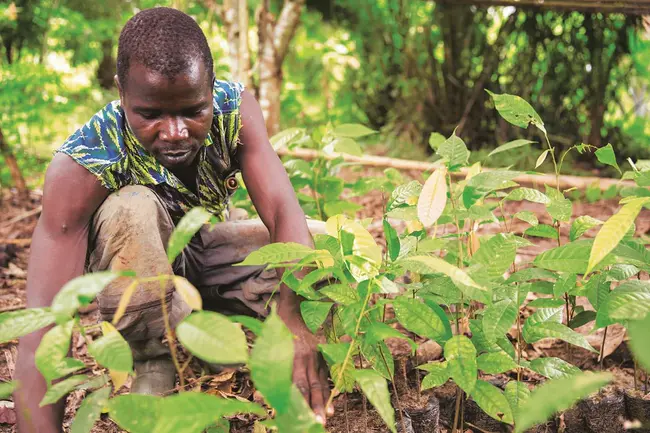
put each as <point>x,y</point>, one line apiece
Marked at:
<point>405,68</point>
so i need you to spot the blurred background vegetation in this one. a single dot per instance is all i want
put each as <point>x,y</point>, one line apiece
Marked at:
<point>405,68</point>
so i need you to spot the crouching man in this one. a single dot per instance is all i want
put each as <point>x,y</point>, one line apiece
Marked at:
<point>116,188</point>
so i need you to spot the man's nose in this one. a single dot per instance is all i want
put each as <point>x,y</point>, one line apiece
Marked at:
<point>174,129</point>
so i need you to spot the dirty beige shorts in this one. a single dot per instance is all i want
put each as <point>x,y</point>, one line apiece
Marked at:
<point>130,231</point>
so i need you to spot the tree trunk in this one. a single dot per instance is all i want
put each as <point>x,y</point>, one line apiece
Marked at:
<point>16,175</point>
<point>106,69</point>
<point>274,39</point>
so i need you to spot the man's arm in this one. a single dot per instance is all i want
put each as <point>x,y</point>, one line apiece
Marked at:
<point>278,207</point>
<point>58,252</point>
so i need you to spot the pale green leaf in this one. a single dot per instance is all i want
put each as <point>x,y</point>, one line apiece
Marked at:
<point>495,362</point>
<point>492,401</point>
<point>186,228</point>
<point>61,389</point>
<point>565,284</point>
<point>284,138</point>
<point>299,418</point>
<point>378,331</point>
<point>352,130</point>
<point>7,388</point>
<point>433,265</point>
<point>111,350</point>
<point>379,357</point>
<point>516,393</point>
<point>638,331</point>
<point>80,292</point>
<point>407,193</point>
<point>433,198</point>
<point>581,224</point>
<point>454,151</point>
<point>89,411</point>
<point>498,318</point>
<point>340,293</point>
<point>541,158</point>
<point>460,354</point>
<point>435,140</point>
<point>553,368</point>
<point>16,324</point>
<point>571,258</point>
<point>542,231</point>
<point>544,330</point>
<point>496,255</point>
<point>629,301</point>
<point>51,355</point>
<point>557,395</point>
<point>438,374</point>
<point>528,194</point>
<point>529,274</point>
<point>527,216</point>
<point>606,156</point>
<point>188,292</point>
<point>376,389</point>
<point>272,363</point>
<point>127,410</point>
<point>510,145</point>
<point>516,110</point>
<point>347,145</point>
<point>560,207</point>
<point>483,183</point>
<point>277,253</point>
<point>314,313</point>
<point>213,338</point>
<point>614,230</point>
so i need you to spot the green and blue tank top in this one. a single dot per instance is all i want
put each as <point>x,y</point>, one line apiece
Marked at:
<point>107,147</point>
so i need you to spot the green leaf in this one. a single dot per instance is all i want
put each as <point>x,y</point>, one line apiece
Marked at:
<point>347,145</point>
<point>186,228</point>
<point>213,338</point>
<point>299,418</point>
<point>496,255</point>
<point>510,145</point>
<point>606,156</point>
<point>582,318</point>
<point>340,293</point>
<point>543,330</point>
<point>545,315</point>
<point>528,194</point>
<point>253,324</point>
<point>111,350</point>
<point>392,240</point>
<point>272,363</point>
<point>516,393</point>
<point>530,274</point>
<point>638,331</point>
<point>614,230</point>
<point>379,357</point>
<point>517,111</point>
<point>16,324</point>
<point>51,355</point>
<point>405,194</point>
<point>7,388</point>
<point>435,140</point>
<point>284,138</point>
<point>560,207</point>
<point>542,231</point>
<point>483,183</point>
<point>580,226</point>
<point>433,199</point>
<point>454,151</point>
<point>438,374</point>
<point>89,411</point>
<point>546,303</point>
<point>352,130</point>
<point>498,318</point>
<point>460,354</point>
<point>564,284</point>
<point>61,389</point>
<point>622,272</point>
<point>553,368</point>
<point>378,331</point>
<point>492,401</point>
<point>80,292</point>
<point>541,158</point>
<point>419,318</point>
<point>276,253</point>
<point>191,412</point>
<point>314,313</point>
<point>127,410</point>
<point>629,301</point>
<point>376,389</point>
<point>434,265</point>
<point>495,363</point>
<point>571,258</point>
<point>558,395</point>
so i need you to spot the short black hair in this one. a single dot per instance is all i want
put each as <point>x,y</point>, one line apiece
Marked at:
<point>163,39</point>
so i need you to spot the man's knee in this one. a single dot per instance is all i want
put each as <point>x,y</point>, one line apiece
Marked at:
<point>131,208</point>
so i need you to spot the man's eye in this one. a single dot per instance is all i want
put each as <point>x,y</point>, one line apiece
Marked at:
<point>149,114</point>
<point>194,112</point>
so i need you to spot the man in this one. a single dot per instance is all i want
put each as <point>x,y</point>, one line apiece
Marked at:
<point>117,187</point>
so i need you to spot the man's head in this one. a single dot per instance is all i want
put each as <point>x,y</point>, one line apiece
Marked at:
<point>164,75</point>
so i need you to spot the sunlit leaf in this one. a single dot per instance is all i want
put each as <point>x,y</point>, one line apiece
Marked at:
<point>213,338</point>
<point>495,362</point>
<point>186,228</point>
<point>61,389</point>
<point>352,130</point>
<point>581,224</point>
<point>80,292</point>
<point>510,145</point>
<point>188,292</point>
<point>492,401</point>
<point>483,183</point>
<point>543,330</point>
<point>111,350</point>
<point>438,374</point>
<point>498,318</point>
<point>516,393</point>
<point>528,194</point>
<point>51,355</point>
<point>638,331</point>
<point>418,317</point>
<point>606,156</point>
<point>454,151</point>
<point>314,313</point>
<point>433,198</point>
<point>553,368</point>
<point>541,158</point>
<point>460,354</point>
<point>517,111</point>
<point>376,389</point>
<point>89,411</point>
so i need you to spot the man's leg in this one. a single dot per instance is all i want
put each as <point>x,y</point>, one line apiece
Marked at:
<point>130,231</point>
<point>237,289</point>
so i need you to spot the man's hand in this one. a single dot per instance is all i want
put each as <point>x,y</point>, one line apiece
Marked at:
<point>309,369</point>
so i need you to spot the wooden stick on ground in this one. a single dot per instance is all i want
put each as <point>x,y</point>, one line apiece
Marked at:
<point>22,216</point>
<point>566,181</point>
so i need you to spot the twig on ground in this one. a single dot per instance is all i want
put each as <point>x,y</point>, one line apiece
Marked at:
<point>21,217</point>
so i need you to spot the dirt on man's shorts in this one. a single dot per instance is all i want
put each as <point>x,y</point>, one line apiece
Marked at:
<point>130,231</point>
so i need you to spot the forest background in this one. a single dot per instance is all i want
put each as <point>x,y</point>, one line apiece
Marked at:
<point>405,68</point>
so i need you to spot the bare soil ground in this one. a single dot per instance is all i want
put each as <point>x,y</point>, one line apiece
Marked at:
<point>430,411</point>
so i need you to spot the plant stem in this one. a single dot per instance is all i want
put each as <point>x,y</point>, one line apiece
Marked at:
<point>169,332</point>
<point>457,411</point>
<point>602,348</point>
<point>345,411</point>
<point>555,167</point>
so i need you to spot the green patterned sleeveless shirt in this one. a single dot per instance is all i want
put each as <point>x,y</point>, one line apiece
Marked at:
<point>107,148</point>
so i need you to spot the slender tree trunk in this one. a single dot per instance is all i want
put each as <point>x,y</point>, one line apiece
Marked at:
<point>235,17</point>
<point>10,159</point>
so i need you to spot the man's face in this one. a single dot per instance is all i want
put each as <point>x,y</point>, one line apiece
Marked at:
<point>170,118</point>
